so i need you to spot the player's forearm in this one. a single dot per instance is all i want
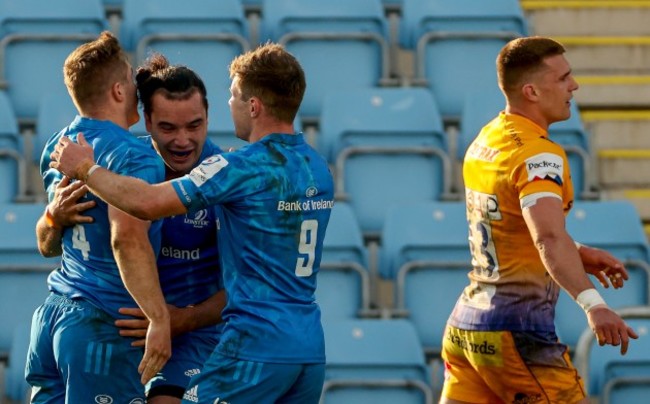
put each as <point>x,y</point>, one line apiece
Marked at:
<point>48,238</point>
<point>206,313</point>
<point>562,261</point>
<point>136,261</point>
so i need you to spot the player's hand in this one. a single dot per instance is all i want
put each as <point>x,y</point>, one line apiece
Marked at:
<point>604,266</point>
<point>609,328</point>
<point>66,208</point>
<point>158,349</point>
<point>72,158</point>
<point>137,326</point>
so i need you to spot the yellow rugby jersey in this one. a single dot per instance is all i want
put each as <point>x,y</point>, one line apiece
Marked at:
<point>510,163</point>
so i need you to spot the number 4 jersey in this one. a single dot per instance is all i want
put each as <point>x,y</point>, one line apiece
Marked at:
<point>510,165</point>
<point>274,200</point>
<point>88,269</point>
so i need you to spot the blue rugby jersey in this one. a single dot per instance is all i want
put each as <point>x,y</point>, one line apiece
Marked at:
<point>88,268</point>
<point>274,200</point>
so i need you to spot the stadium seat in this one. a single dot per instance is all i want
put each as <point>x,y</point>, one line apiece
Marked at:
<point>388,146</point>
<point>343,290</point>
<point>17,388</point>
<point>12,162</point>
<point>456,44</point>
<point>603,367</point>
<point>56,111</point>
<point>629,389</point>
<point>35,38</point>
<point>204,35</point>
<point>374,361</point>
<point>23,271</point>
<point>614,226</point>
<point>425,251</point>
<point>340,44</point>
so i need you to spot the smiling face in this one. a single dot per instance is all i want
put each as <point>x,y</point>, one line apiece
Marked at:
<point>178,129</point>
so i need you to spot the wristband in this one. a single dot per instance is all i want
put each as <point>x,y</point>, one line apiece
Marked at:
<point>90,171</point>
<point>589,298</point>
<point>49,219</point>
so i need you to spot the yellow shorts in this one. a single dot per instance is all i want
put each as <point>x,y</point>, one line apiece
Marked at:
<point>508,367</point>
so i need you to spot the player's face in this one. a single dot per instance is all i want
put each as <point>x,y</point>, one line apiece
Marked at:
<point>179,129</point>
<point>132,97</point>
<point>556,86</point>
<point>240,111</point>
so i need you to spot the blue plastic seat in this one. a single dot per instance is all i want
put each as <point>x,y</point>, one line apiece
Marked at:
<point>388,146</point>
<point>456,44</point>
<point>374,361</point>
<point>12,163</point>
<point>603,366</point>
<point>343,290</point>
<point>204,35</point>
<point>425,251</point>
<point>340,44</point>
<point>614,226</point>
<point>55,112</point>
<point>17,388</point>
<point>35,38</point>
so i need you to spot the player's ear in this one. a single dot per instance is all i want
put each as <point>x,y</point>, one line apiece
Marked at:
<point>530,92</point>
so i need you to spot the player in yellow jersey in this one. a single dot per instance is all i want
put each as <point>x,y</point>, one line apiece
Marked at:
<point>500,343</point>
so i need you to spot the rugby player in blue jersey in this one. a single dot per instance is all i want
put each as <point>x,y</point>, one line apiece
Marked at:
<point>175,107</point>
<point>274,199</point>
<point>76,354</point>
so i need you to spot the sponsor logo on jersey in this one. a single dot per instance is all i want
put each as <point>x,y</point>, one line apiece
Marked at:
<point>192,372</point>
<point>311,192</point>
<point>199,221</point>
<point>137,401</point>
<point>545,166</point>
<point>218,401</point>
<point>207,169</point>
<point>181,254</point>
<point>192,394</point>
<point>482,152</point>
<point>103,399</point>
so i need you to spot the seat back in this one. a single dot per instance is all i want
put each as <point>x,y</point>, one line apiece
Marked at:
<point>35,38</point>
<point>456,44</point>
<point>204,35</point>
<point>388,146</point>
<point>10,150</point>
<point>351,35</point>
<point>343,290</point>
<point>426,252</point>
<point>55,112</point>
<point>374,361</point>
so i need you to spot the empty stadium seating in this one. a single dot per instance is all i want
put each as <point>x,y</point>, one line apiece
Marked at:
<point>425,251</point>
<point>456,44</point>
<point>17,388</point>
<point>56,111</point>
<point>374,361</point>
<point>340,44</point>
<point>343,290</point>
<point>12,162</point>
<point>205,35</point>
<point>388,146</point>
<point>35,38</point>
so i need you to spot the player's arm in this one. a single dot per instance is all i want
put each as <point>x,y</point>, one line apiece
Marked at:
<point>132,195</point>
<point>183,319</point>
<point>64,210</point>
<point>545,221</point>
<point>137,264</point>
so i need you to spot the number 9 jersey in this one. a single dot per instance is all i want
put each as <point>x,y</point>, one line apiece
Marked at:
<point>509,165</point>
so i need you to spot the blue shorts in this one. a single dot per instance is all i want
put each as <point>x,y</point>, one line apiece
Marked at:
<point>225,379</point>
<point>189,353</point>
<point>76,355</point>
